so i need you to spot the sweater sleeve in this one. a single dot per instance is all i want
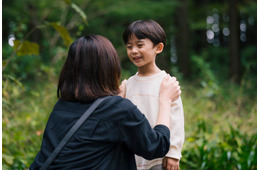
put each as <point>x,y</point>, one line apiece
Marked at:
<point>142,139</point>
<point>176,129</point>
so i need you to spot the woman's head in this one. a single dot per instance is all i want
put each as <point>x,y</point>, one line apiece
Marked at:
<point>145,29</point>
<point>92,70</point>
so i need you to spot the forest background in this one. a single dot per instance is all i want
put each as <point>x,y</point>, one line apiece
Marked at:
<point>211,49</point>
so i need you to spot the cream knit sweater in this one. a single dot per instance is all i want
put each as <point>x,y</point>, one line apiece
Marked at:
<point>144,93</point>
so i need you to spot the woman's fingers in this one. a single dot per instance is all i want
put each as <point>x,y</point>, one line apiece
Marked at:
<point>170,88</point>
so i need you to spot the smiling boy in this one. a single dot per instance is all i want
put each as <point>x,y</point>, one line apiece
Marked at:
<point>144,40</point>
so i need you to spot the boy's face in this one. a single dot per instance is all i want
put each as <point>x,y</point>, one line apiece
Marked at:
<point>141,52</point>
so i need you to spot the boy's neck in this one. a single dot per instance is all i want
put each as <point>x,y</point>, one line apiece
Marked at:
<point>143,72</point>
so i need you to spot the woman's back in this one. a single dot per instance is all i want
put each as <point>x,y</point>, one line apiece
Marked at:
<point>108,139</point>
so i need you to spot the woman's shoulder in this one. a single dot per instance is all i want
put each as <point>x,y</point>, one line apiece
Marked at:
<point>123,103</point>
<point>120,106</point>
<point>113,101</point>
<point>124,111</point>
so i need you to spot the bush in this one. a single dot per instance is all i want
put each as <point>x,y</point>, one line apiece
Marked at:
<point>25,113</point>
<point>226,150</point>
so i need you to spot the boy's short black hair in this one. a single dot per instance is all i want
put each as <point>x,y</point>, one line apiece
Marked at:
<point>145,29</point>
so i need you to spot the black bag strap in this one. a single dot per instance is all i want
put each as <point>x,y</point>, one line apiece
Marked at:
<point>74,128</point>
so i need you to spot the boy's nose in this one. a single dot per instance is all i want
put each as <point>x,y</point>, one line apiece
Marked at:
<point>134,50</point>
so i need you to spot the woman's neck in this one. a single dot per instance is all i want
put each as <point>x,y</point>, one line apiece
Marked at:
<point>148,71</point>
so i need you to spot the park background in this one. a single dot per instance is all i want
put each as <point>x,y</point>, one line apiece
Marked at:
<point>211,48</point>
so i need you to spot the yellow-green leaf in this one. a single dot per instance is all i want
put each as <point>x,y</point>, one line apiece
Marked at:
<point>63,32</point>
<point>67,1</point>
<point>191,139</point>
<point>8,159</point>
<point>80,12</point>
<point>26,48</point>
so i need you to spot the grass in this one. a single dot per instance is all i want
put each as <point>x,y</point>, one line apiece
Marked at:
<point>220,123</point>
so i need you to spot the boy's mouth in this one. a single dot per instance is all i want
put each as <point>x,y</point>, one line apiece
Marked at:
<point>137,58</point>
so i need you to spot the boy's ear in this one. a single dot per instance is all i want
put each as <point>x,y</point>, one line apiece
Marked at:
<point>159,48</point>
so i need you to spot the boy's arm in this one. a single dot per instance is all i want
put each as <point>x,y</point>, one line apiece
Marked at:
<point>122,88</point>
<point>177,134</point>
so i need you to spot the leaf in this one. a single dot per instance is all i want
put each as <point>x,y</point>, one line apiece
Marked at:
<point>26,48</point>
<point>64,33</point>
<point>67,1</point>
<point>80,12</point>
<point>191,139</point>
<point>14,80</point>
<point>8,159</point>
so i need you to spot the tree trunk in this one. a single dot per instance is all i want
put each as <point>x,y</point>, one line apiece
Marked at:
<point>235,68</point>
<point>182,38</point>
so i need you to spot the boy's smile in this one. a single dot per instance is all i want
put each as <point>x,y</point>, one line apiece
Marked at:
<point>137,59</point>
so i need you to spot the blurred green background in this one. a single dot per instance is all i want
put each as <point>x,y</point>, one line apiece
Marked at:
<point>211,49</point>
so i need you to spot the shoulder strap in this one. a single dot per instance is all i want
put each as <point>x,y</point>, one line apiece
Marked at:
<point>74,128</point>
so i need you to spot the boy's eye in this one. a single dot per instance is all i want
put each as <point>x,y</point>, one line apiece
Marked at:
<point>128,46</point>
<point>140,45</point>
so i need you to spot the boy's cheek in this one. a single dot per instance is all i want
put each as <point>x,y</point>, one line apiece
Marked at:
<point>129,54</point>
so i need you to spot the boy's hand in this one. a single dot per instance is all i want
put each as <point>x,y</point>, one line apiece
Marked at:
<point>170,163</point>
<point>170,89</point>
<point>122,88</point>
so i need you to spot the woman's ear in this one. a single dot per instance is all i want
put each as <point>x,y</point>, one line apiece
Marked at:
<point>159,48</point>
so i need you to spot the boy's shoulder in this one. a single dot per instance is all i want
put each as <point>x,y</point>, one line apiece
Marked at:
<point>154,79</point>
<point>131,79</point>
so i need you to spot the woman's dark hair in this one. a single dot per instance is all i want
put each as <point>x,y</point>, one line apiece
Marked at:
<point>92,70</point>
<point>145,29</point>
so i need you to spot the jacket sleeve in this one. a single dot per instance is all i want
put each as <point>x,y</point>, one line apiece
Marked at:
<point>141,138</point>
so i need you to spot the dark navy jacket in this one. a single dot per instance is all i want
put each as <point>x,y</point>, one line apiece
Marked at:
<point>108,139</point>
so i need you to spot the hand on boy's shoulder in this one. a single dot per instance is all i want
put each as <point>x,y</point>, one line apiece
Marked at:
<point>170,86</point>
<point>122,88</point>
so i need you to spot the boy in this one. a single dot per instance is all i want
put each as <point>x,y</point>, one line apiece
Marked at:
<point>144,40</point>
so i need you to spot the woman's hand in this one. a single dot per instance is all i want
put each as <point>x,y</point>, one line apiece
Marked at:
<point>170,89</point>
<point>122,88</point>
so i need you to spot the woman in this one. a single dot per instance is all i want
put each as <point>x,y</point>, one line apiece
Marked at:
<point>116,130</point>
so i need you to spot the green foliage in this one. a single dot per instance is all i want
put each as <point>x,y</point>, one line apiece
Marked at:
<point>221,128</point>
<point>211,64</point>
<point>227,150</point>
<point>25,112</point>
<point>248,61</point>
